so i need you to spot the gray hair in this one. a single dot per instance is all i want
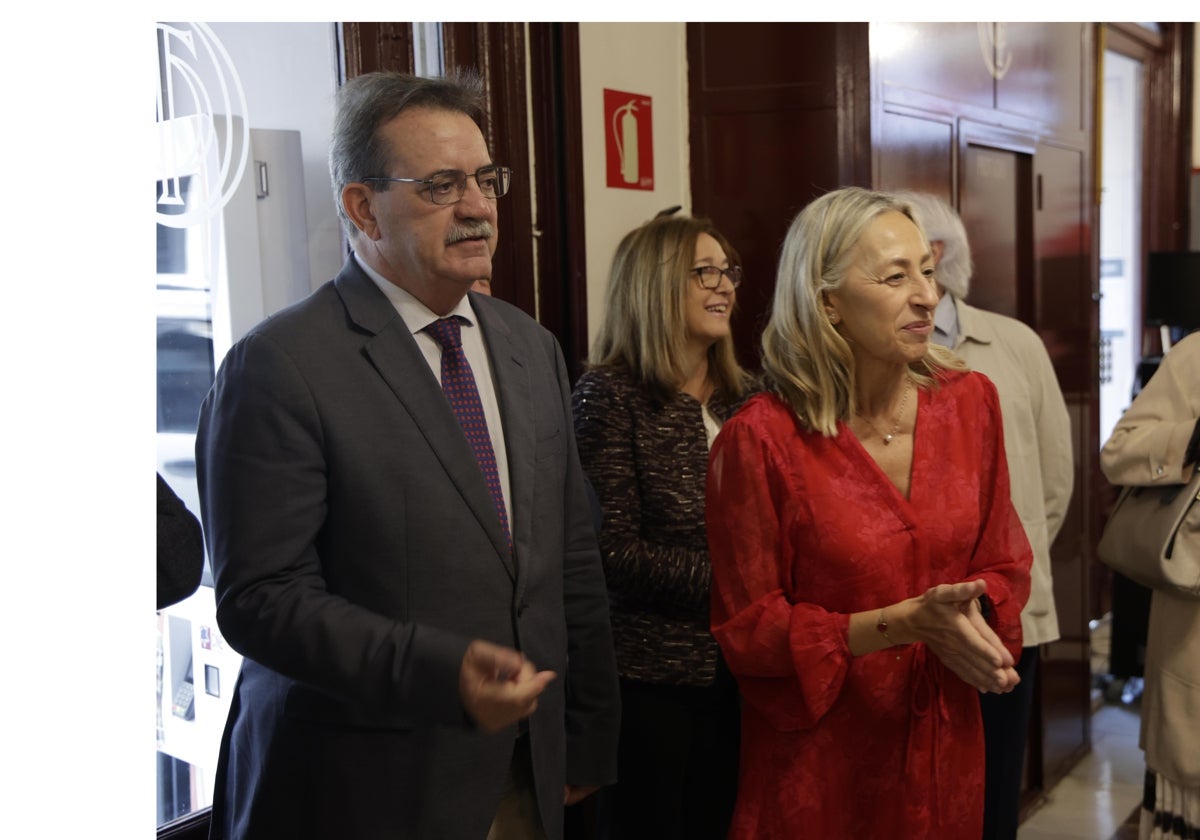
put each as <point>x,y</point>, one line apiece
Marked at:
<point>941,224</point>
<point>365,103</point>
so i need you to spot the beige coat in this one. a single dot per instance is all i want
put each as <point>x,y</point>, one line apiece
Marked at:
<point>1037,441</point>
<point>1147,448</point>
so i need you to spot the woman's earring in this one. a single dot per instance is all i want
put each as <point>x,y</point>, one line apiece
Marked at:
<point>833,316</point>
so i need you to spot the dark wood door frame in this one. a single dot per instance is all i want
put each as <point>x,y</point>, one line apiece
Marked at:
<point>497,52</point>
<point>1024,147</point>
<point>1167,59</point>
<point>778,114</point>
<point>558,148</point>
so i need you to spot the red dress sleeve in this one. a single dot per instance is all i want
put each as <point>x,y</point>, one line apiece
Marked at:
<point>767,640</point>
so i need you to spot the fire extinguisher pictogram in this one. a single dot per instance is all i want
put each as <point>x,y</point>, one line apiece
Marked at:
<point>625,132</point>
<point>628,140</point>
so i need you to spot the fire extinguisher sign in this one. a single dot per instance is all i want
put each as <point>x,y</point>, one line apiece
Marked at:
<point>630,150</point>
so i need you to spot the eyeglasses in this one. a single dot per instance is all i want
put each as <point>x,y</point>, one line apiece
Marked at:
<point>448,187</point>
<point>710,276</point>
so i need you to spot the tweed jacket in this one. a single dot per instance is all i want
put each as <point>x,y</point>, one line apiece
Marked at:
<point>648,461</point>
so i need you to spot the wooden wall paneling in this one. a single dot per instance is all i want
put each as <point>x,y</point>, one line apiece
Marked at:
<point>1048,72</point>
<point>773,108</point>
<point>753,204</point>
<point>854,105</point>
<point>465,46</point>
<point>946,60</point>
<point>1068,321</point>
<point>497,52</point>
<point>992,212</point>
<point>367,47</point>
<point>995,201</point>
<point>558,149</point>
<point>915,151</point>
<point>786,57</point>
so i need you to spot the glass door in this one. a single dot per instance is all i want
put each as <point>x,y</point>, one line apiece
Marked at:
<point>1120,236</point>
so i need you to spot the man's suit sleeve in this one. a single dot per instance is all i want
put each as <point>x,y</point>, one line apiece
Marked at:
<point>592,692</point>
<point>262,471</point>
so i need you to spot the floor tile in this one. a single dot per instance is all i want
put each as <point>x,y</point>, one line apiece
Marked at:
<point>1096,799</point>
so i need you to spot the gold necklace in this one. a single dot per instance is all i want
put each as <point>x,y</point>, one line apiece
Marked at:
<point>887,439</point>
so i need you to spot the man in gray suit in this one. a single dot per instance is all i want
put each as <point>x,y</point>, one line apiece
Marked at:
<point>418,597</point>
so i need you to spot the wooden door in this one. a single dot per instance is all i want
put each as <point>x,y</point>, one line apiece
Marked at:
<point>997,214</point>
<point>778,116</point>
<point>1068,319</point>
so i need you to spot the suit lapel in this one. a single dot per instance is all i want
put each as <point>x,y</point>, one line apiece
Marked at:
<point>515,395</point>
<point>394,353</point>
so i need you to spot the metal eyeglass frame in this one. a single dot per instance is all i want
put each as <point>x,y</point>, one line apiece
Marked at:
<point>458,179</point>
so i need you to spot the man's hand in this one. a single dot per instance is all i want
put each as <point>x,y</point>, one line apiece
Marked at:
<point>498,685</point>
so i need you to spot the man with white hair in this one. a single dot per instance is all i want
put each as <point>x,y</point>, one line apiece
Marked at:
<point>1037,441</point>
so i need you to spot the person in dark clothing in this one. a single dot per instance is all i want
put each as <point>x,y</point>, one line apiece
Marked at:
<point>661,381</point>
<point>180,548</point>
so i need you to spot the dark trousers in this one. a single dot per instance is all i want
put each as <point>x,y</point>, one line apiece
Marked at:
<point>1005,731</point>
<point>677,763</point>
<point>1130,626</point>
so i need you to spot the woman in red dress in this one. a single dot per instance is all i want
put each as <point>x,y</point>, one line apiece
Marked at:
<point>868,567</point>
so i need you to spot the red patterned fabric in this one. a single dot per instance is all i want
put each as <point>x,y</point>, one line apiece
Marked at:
<point>804,530</point>
<point>458,382</point>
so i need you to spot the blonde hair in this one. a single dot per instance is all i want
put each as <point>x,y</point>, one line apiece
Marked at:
<point>645,326</point>
<point>805,360</point>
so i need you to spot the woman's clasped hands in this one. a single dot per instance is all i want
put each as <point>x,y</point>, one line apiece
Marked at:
<point>948,618</point>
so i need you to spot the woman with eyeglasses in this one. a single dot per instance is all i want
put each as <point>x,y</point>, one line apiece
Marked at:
<point>662,379</point>
<point>869,569</point>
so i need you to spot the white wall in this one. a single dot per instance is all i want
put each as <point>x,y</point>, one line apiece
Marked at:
<point>643,58</point>
<point>289,75</point>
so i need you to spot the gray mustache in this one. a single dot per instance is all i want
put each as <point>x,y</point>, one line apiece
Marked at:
<point>470,230</point>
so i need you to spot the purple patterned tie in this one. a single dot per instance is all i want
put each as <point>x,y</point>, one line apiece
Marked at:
<point>458,382</point>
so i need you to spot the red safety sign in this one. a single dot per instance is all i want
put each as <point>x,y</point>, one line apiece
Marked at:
<point>628,140</point>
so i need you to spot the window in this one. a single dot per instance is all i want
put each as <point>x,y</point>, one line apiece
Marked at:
<point>244,114</point>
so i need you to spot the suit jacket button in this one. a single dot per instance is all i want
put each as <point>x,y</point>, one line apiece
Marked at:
<point>521,609</point>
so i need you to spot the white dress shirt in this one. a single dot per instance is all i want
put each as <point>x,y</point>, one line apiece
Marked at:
<point>417,316</point>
